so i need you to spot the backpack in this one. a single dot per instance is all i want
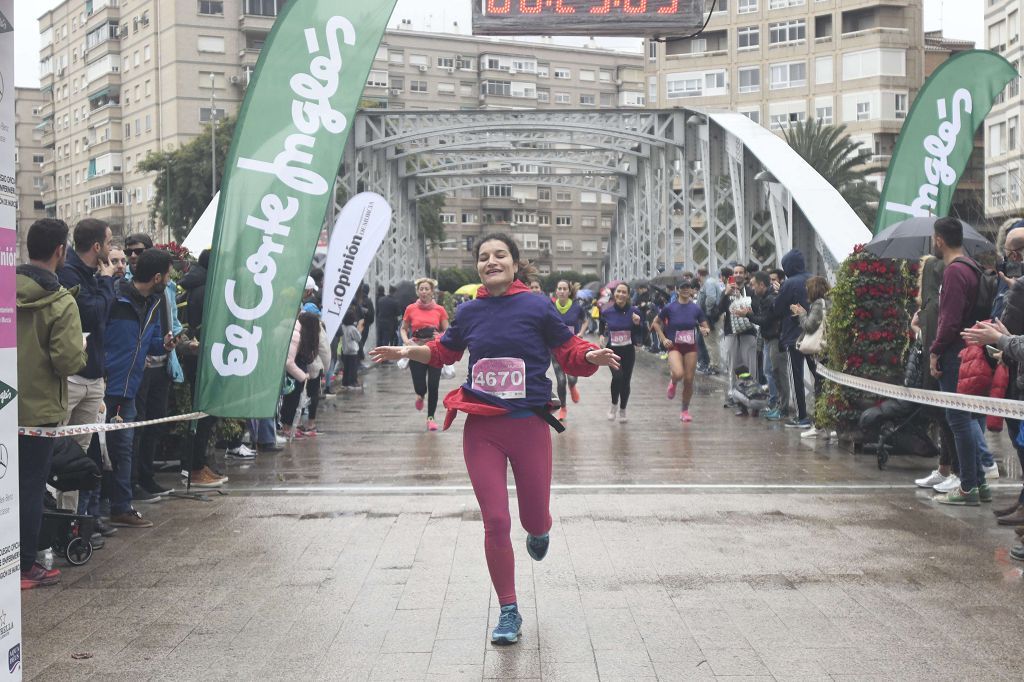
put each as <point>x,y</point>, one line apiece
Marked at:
<point>988,287</point>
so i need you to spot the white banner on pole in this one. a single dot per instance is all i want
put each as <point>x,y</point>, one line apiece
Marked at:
<point>201,235</point>
<point>357,235</point>
<point>10,548</point>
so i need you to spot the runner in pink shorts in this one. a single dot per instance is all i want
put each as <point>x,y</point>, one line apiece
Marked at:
<point>677,327</point>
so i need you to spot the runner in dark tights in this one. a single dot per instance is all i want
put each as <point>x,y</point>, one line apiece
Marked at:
<point>619,322</point>
<point>574,317</point>
<point>424,321</point>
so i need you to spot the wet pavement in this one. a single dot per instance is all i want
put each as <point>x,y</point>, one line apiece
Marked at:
<point>723,548</point>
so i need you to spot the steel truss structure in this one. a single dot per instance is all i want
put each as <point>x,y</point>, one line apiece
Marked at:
<point>691,189</point>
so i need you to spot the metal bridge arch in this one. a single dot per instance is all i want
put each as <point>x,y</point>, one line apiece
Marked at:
<point>691,189</point>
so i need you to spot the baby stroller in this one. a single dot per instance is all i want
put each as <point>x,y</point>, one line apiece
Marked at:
<point>749,392</point>
<point>898,427</point>
<point>64,531</point>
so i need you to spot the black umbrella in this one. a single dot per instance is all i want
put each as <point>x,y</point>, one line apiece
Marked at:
<point>911,239</point>
<point>405,292</point>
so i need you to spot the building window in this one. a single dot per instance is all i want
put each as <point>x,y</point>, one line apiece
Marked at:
<point>652,50</point>
<point>544,220</point>
<point>746,6</point>
<point>469,218</point>
<point>543,95</point>
<point>447,218</point>
<point>203,44</point>
<point>750,79</point>
<point>787,32</point>
<point>418,86</point>
<point>753,114</point>
<point>204,116</point>
<point>748,36</point>
<point>863,111</point>
<point>563,196</point>
<point>564,245</point>
<point>782,4</point>
<point>499,191</point>
<point>211,7</point>
<point>824,114</point>
<point>684,87</point>
<point>563,221</point>
<point>789,75</point>
<point>1011,133</point>
<point>784,120</point>
<point>500,88</point>
<point>263,8</point>
<point>562,98</point>
<point>544,194</point>
<point>377,79</point>
<point>563,74</point>
<point>900,105</point>
<point>587,100</point>
<point>876,62</point>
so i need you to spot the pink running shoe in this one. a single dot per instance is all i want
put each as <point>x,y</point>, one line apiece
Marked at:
<point>685,416</point>
<point>671,393</point>
<point>431,424</point>
<point>419,403</point>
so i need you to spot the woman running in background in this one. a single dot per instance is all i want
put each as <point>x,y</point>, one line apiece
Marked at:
<point>423,322</point>
<point>677,326</point>
<point>574,317</point>
<point>618,323</point>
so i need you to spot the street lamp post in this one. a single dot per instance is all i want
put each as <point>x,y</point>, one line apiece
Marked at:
<point>213,138</point>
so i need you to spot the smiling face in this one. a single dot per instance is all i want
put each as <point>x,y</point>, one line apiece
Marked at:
<point>425,292</point>
<point>562,291</point>
<point>740,274</point>
<point>685,292</point>
<point>495,264</point>
<point>621,295</point>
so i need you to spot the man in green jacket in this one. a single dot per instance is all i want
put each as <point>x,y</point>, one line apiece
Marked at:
<point>50,349</point>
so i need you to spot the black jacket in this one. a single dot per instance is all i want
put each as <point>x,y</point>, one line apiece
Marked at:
<point>793,290</point>
<point>95,296</point>
<point>194,284</point>
<point>388,312</point>
<point>763,314</point>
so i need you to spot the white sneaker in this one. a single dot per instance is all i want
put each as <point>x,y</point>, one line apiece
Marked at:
<point>811,433</point>
<point>932,479</point>
<point>949,485</point>
<point>243,451</point>
<point>992,472</point>
<point>612,411</point>
<point>280,440</point>
<point>622,416</point>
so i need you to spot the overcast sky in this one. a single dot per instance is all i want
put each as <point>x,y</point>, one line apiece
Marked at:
<point>959,18</point>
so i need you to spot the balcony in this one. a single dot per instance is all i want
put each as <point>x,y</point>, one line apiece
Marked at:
<point>105,147</point>
<point>104,48</point>
<point>880,36</point>
<point>256,23</point>
<point>105,84</point>
<point>247,57</point>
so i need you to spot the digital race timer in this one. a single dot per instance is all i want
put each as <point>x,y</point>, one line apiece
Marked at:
<point>659,18</point>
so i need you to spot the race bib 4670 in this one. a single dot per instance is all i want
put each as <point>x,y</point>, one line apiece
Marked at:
<point>501,377</point>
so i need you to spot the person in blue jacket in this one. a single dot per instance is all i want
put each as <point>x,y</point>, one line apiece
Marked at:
<point>134,331</point>
<point>620,328</point>
<point>794,292</point>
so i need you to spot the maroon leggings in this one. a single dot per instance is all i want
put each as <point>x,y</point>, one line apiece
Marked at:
<point>489,444</point>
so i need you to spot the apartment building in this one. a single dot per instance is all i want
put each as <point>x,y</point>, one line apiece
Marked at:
<point>1003,153</point>
<point>856,62</point>
<point>28,161</point>
<point>123,78</point>
<point>558,228</point>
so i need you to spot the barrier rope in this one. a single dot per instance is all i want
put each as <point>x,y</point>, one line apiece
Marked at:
<point>82,429</point>
<point>997,407</point>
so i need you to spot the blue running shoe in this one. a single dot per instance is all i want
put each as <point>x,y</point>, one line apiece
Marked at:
<point>509,623</point>
<point>537,545</point>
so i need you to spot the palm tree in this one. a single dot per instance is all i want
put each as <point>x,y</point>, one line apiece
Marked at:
<point>838,159</point>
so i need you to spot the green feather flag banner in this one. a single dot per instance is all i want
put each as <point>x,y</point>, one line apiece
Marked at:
<point>938,136</point>
<point>278,185</point>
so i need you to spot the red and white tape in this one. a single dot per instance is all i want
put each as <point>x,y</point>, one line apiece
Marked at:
<point>997,407</point>
<point>82,429</point>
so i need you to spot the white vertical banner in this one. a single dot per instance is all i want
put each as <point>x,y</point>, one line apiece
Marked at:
<point>357,235</point>
<point>10,561</point>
